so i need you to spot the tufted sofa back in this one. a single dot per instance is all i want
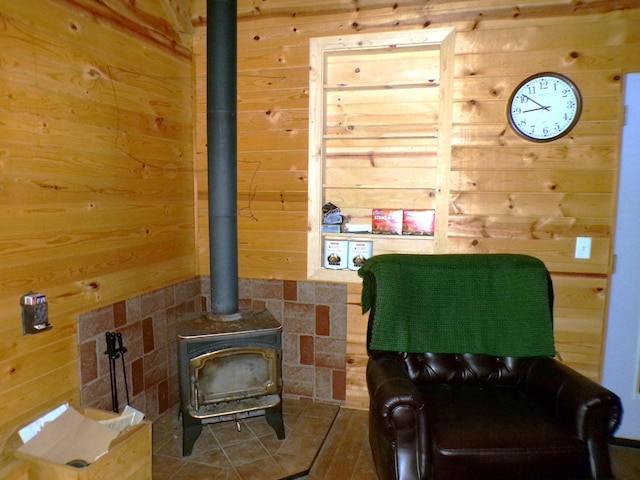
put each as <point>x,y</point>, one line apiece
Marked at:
<point>471,369</point>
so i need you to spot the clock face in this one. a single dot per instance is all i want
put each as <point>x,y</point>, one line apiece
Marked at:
<point>544,107</point>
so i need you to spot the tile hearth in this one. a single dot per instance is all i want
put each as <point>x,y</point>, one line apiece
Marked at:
<point>224,453</point>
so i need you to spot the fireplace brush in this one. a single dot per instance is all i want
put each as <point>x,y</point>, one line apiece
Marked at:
<point>114,352</point>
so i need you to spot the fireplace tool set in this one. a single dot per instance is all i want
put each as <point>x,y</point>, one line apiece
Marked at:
<point>114,352</point>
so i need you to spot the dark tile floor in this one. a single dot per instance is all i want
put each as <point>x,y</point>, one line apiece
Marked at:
<point>253,453</point>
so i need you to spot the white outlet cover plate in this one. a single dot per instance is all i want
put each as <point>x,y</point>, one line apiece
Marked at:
<point>583,247</point>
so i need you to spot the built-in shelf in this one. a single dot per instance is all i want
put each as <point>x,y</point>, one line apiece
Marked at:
<point>374,237</point>
<point>396,86</point>
<point>379,136</point>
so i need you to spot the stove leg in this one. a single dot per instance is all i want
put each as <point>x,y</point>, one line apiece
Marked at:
<point>191,428</point>
<point>274,418</point>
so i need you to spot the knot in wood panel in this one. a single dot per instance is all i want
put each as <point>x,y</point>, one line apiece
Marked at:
<point>91,72</point>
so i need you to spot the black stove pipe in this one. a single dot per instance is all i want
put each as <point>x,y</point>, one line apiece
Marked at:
<point>222,154</point>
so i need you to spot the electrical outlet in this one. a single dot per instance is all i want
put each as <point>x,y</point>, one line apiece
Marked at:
<point>583,247</point>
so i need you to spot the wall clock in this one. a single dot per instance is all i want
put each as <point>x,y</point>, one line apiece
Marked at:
<point>544,107</point>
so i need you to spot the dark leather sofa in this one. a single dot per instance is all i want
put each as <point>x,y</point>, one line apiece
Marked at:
<point>449,416</point>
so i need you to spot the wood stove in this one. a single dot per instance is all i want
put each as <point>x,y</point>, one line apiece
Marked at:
<point>229,361</point>
<point>230,367</point>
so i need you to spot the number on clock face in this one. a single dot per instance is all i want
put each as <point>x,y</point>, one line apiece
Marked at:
<point>544,107</point>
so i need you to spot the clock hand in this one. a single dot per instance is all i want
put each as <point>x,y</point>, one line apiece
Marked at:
<point>539,104</point>
<point>535,109</point>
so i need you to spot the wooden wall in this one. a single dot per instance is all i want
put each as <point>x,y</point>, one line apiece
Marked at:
<point>96,182</point>
<point>507,194</point>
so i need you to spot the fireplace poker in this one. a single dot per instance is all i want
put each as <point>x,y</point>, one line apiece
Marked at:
<point>122,350</point>
<point>113,354</point>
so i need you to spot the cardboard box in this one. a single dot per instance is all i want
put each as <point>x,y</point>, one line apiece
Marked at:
<point>418,222</point>
<point>13,469</point>
<point>386,221</point>
<point>128,454</point>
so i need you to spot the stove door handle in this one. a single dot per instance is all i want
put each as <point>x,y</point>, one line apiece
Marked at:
<point>196,397</point>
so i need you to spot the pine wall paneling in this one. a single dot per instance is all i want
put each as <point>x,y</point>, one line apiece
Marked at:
<point>506,194</point>
<point>96,182</point>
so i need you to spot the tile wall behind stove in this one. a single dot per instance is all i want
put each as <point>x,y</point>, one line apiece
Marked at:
<point>313,316</point>
<point>147,325</point>
<point>314,332</point>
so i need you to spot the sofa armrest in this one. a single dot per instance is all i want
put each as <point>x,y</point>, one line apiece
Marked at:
<point>578,403</point>
<point>390,388</point>
<point>397,421</point>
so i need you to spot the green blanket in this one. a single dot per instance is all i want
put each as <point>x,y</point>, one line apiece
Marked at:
<point>499,304</point>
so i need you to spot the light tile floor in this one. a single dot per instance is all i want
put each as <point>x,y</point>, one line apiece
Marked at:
<point>223,453</point>
<point>346,454</point>
<point>253,453</point>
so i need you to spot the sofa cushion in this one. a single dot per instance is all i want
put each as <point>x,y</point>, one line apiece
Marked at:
<point>494,432</point>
